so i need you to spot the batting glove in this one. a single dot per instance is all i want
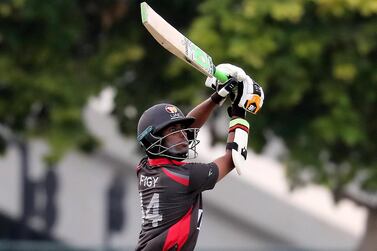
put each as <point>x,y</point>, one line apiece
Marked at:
<point>249,96</point>
<point>252,96</point>
<point>234,73</point>
<point>231,71</point>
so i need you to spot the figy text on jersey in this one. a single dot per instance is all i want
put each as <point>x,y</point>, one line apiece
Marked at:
<point>148,181</point>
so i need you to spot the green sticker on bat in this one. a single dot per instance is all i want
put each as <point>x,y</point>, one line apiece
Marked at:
<point>196,55</point>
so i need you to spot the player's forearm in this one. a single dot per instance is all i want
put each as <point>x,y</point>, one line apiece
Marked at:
<point>225,162</point>
<point>201,112</point>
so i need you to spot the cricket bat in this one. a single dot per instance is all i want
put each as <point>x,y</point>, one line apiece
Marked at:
<point>178,44</point>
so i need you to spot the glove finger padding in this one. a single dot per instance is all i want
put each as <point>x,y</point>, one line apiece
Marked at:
<point>232,71</point>
<point>252,96</point>
<point>212,82</point>
<point>219,96</point>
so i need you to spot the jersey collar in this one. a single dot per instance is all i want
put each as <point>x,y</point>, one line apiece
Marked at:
<point>164,161</point>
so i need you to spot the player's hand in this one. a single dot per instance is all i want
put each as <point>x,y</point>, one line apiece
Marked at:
<point>249,96</point>
<point>231,71</point>
<point>252,96</point>
<point>228,87</point>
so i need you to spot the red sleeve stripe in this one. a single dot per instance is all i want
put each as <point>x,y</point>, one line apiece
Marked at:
<point>233,128</point>
<point>178,233</point>
<point>176,177</point>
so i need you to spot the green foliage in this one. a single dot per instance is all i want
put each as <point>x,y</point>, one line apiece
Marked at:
<point>55,54</point>
<point>152,76</point>
<point>47,49</point>
<point>316,61</point>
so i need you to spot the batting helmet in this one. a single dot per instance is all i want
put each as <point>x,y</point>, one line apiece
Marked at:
<point>154,120</point>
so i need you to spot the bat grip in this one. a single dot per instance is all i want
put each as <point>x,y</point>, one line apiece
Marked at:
<point>222,77</point>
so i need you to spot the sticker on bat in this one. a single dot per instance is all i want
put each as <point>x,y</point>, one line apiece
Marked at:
<point>195,54</point>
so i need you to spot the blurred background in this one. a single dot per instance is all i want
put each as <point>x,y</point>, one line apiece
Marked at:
<point>75,76</point>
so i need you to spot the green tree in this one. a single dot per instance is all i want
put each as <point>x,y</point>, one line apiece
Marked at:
<point>148,79</point>
<point>45,75</point>
<point>316,61</point>
<point>54,55</point>
<point>47,72</point>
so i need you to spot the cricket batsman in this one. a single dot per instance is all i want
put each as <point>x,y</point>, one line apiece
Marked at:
<point>171,190</point>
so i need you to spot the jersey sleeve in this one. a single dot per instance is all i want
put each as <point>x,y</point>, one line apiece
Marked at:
<point>202,176</point>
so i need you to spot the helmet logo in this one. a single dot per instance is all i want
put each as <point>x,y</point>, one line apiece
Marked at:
<point>173,112</point>
<point>171,109</point>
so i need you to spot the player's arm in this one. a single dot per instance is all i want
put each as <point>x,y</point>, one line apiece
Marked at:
<point>249,96</point>
<point>201,112</point>
<point>225,162</point>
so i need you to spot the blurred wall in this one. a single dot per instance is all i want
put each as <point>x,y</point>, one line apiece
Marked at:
<point>237,215</point>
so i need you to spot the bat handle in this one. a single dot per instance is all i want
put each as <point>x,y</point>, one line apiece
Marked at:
<point>222,77</point>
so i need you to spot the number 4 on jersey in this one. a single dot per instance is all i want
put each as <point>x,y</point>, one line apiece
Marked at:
<point>151,214</point>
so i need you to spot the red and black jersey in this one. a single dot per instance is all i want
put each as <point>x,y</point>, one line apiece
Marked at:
<point>171,202</point>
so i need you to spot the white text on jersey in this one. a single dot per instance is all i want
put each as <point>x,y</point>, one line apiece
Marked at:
<point>148,181</point>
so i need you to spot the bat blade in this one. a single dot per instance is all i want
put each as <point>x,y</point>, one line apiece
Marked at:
<point>173,41</point>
